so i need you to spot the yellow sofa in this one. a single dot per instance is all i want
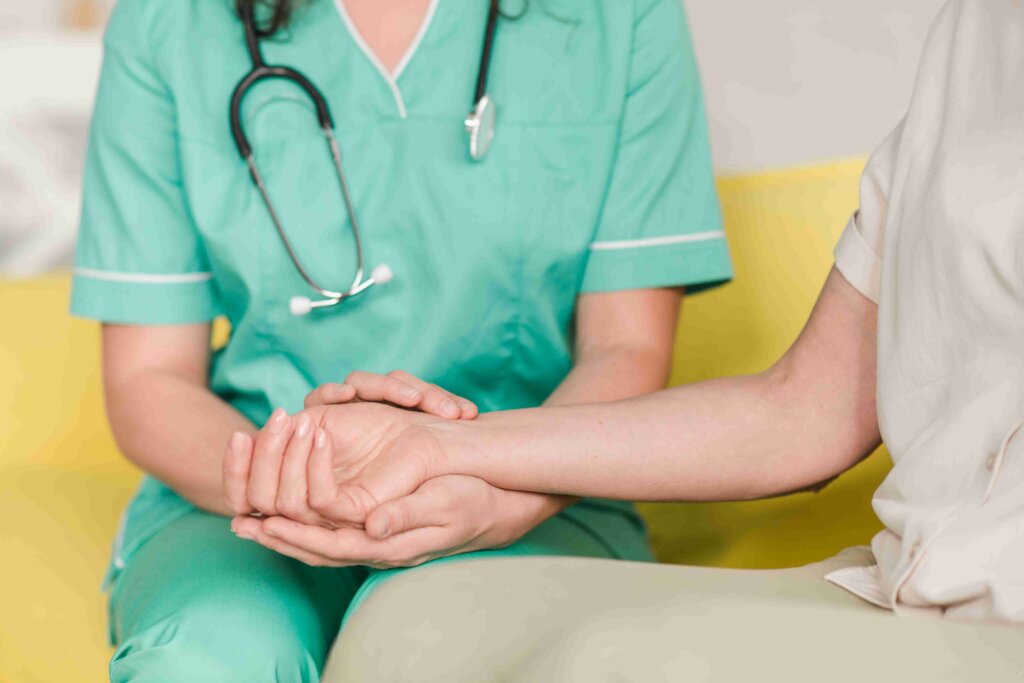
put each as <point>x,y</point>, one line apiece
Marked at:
<point>63,484</point>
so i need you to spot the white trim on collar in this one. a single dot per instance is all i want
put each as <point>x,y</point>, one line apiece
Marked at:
<point>390,78</point>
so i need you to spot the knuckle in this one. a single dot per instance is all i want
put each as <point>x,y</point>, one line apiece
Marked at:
<point>404,376</point>
<point>356,377</point>
<point>320,501</point>
<point>289,505</point>
<point>262,502</point>
<point>396,521</point>
<point>392,384</point>
<point>355,501</point>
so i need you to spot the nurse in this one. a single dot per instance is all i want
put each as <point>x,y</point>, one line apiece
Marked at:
<point>550,271</point>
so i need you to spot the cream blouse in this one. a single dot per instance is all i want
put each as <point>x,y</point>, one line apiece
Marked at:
<point>938,243</point>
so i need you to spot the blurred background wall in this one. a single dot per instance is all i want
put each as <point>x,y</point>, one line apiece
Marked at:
<point>789,82</point>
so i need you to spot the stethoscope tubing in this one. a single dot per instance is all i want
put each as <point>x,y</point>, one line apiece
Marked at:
<point>488,48</point>
<point>261,71</point>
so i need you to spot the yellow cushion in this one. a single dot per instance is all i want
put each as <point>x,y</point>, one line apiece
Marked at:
<point>63,485</point>
<point>782,228</point>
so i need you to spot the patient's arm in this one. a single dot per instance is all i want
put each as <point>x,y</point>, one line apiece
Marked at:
<point>163,416</point>
<point>808,418</point>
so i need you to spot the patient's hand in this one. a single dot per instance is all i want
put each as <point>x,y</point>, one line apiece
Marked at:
<point>293,465</point>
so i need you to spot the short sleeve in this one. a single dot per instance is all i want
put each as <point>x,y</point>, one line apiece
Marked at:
<point>661,224</point>
<point>858,253</point>
<point>139,259</point>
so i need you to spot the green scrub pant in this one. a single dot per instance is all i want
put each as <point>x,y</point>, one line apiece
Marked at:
<point>196,604</point>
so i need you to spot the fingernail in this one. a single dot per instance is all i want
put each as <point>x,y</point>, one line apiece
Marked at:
<point>277,420</point>
<point>304,424</point>
<point>449,408</point>
<point>385,531</point>
<point>410,393</point>
<point>321,437</point>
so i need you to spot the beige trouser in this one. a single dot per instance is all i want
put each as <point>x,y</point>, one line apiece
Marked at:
<point>555,619</point>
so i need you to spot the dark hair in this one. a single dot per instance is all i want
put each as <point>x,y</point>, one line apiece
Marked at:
<point>275,14</point>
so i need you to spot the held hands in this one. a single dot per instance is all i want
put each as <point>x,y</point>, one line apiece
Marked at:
<point>296,473</point>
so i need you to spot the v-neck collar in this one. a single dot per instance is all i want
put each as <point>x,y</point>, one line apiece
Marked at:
<point>391,78</point>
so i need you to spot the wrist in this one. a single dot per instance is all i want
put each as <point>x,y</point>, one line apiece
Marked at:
<point>457,440</point>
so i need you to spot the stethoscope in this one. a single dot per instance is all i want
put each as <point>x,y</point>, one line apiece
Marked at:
<point>480,124</point>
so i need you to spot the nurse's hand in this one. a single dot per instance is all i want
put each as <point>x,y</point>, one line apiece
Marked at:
<point>397,387</point>
<point>445,516</point>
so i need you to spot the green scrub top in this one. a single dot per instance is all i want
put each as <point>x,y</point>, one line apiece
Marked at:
<point>599,179</point>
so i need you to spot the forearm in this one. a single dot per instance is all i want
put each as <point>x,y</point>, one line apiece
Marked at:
<point>608,376</point>
<point>805,420</point>
<point>177,431</point>
<point>727,439</point>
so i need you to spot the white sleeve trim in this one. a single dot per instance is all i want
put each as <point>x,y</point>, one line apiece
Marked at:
<point>658,241</point>
<point>144,278</point>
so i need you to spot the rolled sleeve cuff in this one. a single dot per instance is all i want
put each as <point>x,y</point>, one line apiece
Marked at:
<point>141,299</point>
<point>858,263</point>
<point>696,261</point>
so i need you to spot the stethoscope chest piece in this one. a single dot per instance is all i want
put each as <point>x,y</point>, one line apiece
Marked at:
<point>480,126</point>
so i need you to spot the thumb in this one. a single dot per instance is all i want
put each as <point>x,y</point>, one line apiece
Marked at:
<point>415,511</point>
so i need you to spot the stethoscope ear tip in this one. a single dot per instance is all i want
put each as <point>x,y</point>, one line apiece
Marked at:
<point>382,274</point>
<point>300,305</point>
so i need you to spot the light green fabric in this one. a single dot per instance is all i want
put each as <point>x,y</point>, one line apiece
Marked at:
<point>601,141</point>
<point>198,604</point>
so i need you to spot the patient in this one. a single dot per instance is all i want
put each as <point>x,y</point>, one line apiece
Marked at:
<point>927,286</point>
